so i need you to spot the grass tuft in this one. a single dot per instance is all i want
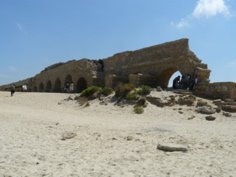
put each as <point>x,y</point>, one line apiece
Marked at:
<point>138,109</point>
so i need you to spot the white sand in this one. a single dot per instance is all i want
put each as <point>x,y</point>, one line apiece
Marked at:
<point>33,124</point>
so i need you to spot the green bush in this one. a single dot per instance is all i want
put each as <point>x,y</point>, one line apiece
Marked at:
<point>138,110</point>
<point>123,89</point>
<point>144,90</point>
<point>107,91</point>
<point>131,96</point>
<point>90,91</point>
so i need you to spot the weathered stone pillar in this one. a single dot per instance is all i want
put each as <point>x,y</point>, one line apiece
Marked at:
<point>203,75</point>
<point>113,80</point>
<point>140,79</point>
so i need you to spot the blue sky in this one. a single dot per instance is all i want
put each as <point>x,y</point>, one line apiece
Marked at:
<point>37,33</point>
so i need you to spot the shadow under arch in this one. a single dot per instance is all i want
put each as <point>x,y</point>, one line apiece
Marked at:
<point>41,87</point>
<point>81,85</point>
<point>68,79</point>
<point>57,85</point>
<point>164,77</point>
<point>35,89</point>
<point>49,86</point>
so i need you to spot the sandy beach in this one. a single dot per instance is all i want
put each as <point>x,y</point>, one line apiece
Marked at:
<point>42,134</point>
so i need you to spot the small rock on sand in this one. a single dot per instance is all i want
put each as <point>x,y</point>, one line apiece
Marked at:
<point>171,147</point>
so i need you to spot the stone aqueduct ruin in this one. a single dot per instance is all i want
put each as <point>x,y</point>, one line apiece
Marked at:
<point>152,66</point>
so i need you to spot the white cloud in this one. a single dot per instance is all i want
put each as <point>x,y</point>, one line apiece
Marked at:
<point>210,8</point>
<point>183,23</point>
<point>204,9</point>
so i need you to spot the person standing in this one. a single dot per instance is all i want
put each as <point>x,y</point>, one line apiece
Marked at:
<point>12,90</point>
<point>176,82</point>
<point>67,86</point>
<point>71,87</point>
<point>24,87</point>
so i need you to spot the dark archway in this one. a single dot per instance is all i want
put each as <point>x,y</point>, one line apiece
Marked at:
<point>57,86</point>
<point>41,87</point>
<point>68,79</point>
<point>49,86</point>
<point>164,77</point>
<point>81,85</point>
<point>35,89</point>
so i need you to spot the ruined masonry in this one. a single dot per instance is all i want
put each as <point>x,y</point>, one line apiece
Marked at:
<point>151,66</point>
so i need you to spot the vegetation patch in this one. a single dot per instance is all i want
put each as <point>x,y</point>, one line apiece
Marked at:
<point>138,109</point>
<point>144,90</point>
<point>131,96</point>
<point>90,91</point>
<point>107,91</point>
<point>123,89</point>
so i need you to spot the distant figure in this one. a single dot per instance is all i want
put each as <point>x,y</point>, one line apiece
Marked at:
<point>71,87</point>
<point>192,82</point>
<point>24,87</point>
<point>195,81</point>
<point>176,82</point>
<point>67,86</point>
<point>187,81</point>
<point>182,82</point>
<point>12,90</point>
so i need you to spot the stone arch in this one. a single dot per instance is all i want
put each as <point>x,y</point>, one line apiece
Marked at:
<point>57,85</point>
<point>164,76</point>
<point>41,87</point>
<point>49,86</point>
<point>68,79</point>
<point>81,85</point>
<point>35,89</point>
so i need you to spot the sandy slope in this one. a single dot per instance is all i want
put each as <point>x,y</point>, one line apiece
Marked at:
<point>110,141</point>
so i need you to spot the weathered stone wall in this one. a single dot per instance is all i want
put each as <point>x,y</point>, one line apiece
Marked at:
<point>151,66</point>
<point>74,71</point>
<point>218,90</point>
<point>159,61</point>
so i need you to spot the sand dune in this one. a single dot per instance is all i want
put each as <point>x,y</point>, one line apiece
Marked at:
<point>44,135</point>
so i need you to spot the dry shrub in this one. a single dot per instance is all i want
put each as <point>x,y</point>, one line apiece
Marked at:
<point>144,90</point>
<point>107,91</point>
<point>89,92</point>
<point>141,102</point>
<point>131,96</point>
<point>138,109</point>
<point>83,101</point>
<point>123,89</point>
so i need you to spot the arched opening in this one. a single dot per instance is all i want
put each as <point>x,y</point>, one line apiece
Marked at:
<point>41,87</point>
<point>68,79</point>
<point>165,77</point>
<point>57,86</point>
<point>174,75</point>
<point>49,86</point>
<point>35,89</point>
<point>81,85</point>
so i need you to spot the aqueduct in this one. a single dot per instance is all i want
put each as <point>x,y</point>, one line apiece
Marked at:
<point>152,66</point>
